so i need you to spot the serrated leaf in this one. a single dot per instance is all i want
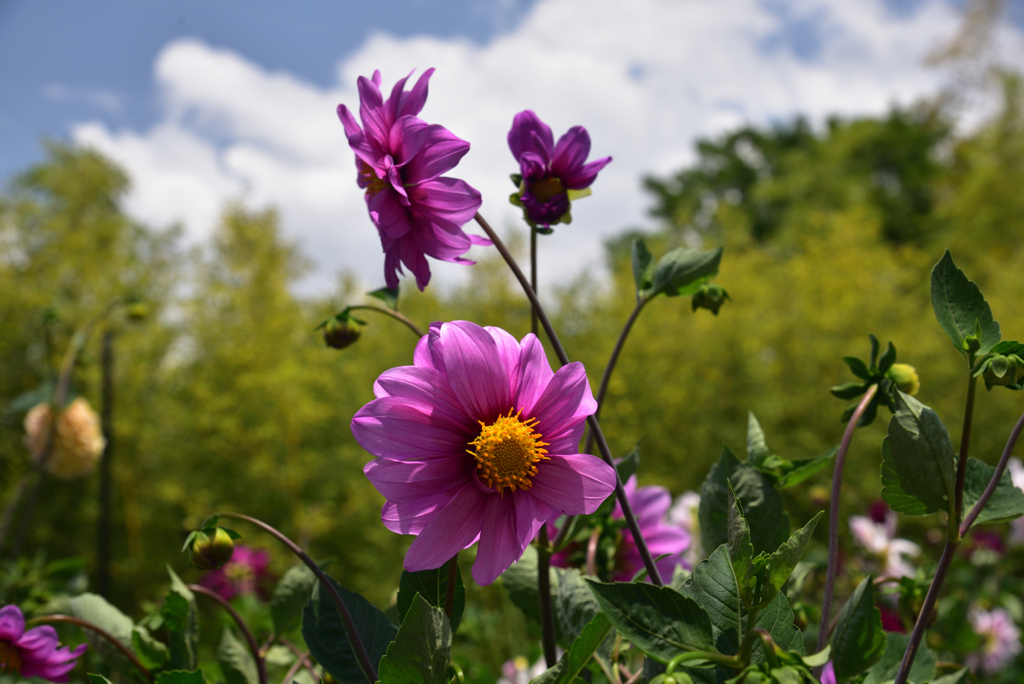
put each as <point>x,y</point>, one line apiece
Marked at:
<point>388,296</point>
<point>799,470</point>
<point>1007,347</point>
<point>582,649</point>
<point>858,641</point>
<point>782,562</point>
<point>574,604</point>
<point>857,367</point>
<point>960,307</point>
<point>643,267</point>
<point>290,597</point>
<point>520,581</point>
<point>741,553</point>
<point>180,677</point>
<point>713,585</point>
<point>422,648</point>
<point>1007,501</point>
<point>151,652</point>
<point>778,620</point>
<point>923,669</point>
<point>325,634</point>
<point>182,620</point>
<point>757,447</point>
<point>659,621</point>
<point>682,271</point>
<point>432,586</point>
<point>236,662</point>
<point>918,461</point>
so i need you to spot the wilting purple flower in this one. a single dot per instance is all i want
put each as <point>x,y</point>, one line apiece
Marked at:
<point>1001,640</point>
<point>245,573</point>
<point>399,160</point>
<point>478,440</point>
<point>879,538</point>
<point>551,174</point>
<point>33,653</point>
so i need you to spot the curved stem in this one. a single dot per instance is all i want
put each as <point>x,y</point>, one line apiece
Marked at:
<point>533,278</point>
<point>711,656</point>
<point>393,314</point>
<point>994,482</point>
<point>300,657</point>
<point>107,636</point>
<point>833,515</point>
<point>965,447</point>
<point>350,628</point>
<point>595,427</point>
<point>926,611</point>
<point>547,613</point>
<point>261,666</point>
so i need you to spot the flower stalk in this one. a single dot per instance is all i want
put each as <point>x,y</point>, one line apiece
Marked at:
<point>105,635</point>
<point>547,613</point>
<point>393,314</point>
<point>261,665</point>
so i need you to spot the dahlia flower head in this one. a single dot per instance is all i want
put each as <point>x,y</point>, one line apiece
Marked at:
<point>399,162</point>
<point>877,534</point>
<point>1000,640</point>
<point>478,440</point>
<point>551,174</point>
<point>33,652</point>
<point>246,573</point>
<point>78,443</point>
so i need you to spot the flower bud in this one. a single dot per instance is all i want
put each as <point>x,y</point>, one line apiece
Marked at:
<point>709,296</point>
<point>137,311</point>
<point>341,332</point>
<point>210,553</point>
<point>77,443</point>
<point>1004,371</point>
<point>905,377</point>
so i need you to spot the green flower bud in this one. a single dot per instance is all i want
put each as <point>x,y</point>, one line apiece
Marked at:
<point>1004,371</point>
<point>341,332</point>
<point>709,296</point>
<point>971,344</point>
<point>210,553</point>
<point>137,311</point>
<point>905,377</point>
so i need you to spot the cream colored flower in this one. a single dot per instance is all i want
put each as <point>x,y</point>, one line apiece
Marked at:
<point>76,446</point>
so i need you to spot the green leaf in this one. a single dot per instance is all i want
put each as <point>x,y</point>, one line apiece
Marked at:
<point>918,461</point>
<point>1007,501</point>
<point>923,669</point>
<point>757,447</point>
<point>520,581</point>
<point>798,471</point>
<point>954,678</point>
<point>432,586</point>
<point>96,610</point>
<point>782,562</point>
<point>888,358</point>
<point>628,464</point>
<point>858,367</point>
<point>741,553</point>
<point>96,679</point>
<point>874,348</point>
<point>181,677</point>
<point>290,597</point>
<point>858,641</point>
<point>574,604</point>
<point>422,648</point>
<point>849,390</point>
<point>643,267</point>
<point>761,504</point>
<point>388,296</point>
<point>713,585</point>
<point>778,620</point>
<point>576,658</point>
<point>236,662</point>
<point>960,307</point>
<point>683,270</point>
<point>182,619</point>
<point>325,634</point>
<point>151,652</point>
<point>659,621</point>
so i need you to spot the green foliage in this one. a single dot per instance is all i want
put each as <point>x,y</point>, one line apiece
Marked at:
<point>182,620</point>
<point>961,309</point>
<point>181,677</point>
<point>715,588</point>
<point>579,654</point>
<point>290,597</point>
<point>1007,501</point>
<point>858,641</point>
<point>432,587</point>
<point>923,669</point>
<point>422,648</point>
<point>236,663</point>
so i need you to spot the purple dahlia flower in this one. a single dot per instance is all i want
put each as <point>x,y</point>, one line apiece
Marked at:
<point>399,161</point>
<point>246,573</point>
<point>650,504</point>
<point>551,174</point>
<point>33,653</point>
<point>478,440</point>
<point>1000,640</point>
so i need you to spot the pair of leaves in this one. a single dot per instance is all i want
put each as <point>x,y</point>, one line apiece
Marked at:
<point>783,473</point>
<point>680,272</point>
<point>961,309</point>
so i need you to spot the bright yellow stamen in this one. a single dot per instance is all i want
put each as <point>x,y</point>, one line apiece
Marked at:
<point>10,659</point>
<point>506,452</point>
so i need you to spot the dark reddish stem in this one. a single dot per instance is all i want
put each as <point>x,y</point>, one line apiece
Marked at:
<point>107,636</point>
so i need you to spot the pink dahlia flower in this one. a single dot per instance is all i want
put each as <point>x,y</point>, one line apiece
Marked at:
<point>33,653</point>
<point>651,505</point>
<point>877,534</point>
<point>246,573</point>
<point>399,161</point>
<point>549,171</point>
<point>478,441</point>
<point>1000,640</point>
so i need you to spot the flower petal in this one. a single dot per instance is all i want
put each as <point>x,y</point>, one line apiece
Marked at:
<point>399,428</point>
<point>388,213</point>
<point>371,109</point>
<point>453,528</point>
<point>501,545</point>
<point>413,101</point>
<point>440,152</point>
<point>474,370</point>
<point>12,623</point>
<point>449,203</point>
<point>404,481</point>
<point>573,484</point>
<point>412,516</point>
<point>508,353</point>
<point>565,403</point>
<point>585,176</point>
<point>428,387</point>
<point>570,152</point>
<point>530,134</point>
<point>535,374</point>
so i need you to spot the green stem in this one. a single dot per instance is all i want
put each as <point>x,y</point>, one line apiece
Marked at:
<point>261,666</point>
<point>533,277</point>
<point>712,656</point>
<point>547,614</point>
<point>107,636</point>
<point>965,447</point>
<point>747,647</point>
<point>393,314</point>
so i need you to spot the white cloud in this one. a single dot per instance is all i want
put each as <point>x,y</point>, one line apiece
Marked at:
<point>645,81</point>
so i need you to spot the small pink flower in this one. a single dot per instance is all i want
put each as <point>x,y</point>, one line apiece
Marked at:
<point>683,514</point>
<point>33,653</point>
<point>478,441</point>
<point>651,505</point>
<point>399,161</point>
<point>879,539</point>
<point>246,573</point>
<point>1001,640</point>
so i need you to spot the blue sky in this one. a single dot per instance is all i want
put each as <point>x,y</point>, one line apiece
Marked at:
<point>206,101</point>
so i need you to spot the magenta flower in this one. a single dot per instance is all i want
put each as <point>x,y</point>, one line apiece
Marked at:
<point>651,505</point>
<point>399,161</point>
<point>478,441</point>
<point>246,573</point>
<point>552,175</point>
<point>33,653</point>
<point>1000,640</point>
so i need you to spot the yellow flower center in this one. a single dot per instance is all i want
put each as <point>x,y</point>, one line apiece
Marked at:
<point>239,572</point>
<point>10,659</point>
<point>506,452</point>
<point>546,188</point>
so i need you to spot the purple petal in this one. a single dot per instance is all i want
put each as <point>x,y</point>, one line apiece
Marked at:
<point>349,122</point>
<point>447,202</point>
<point>12,623</point>
<point>392,265</point>
<point>585,176</point>
<point>573,484</point>
<point>475,372</point>
<point>413,101</point>
<point>570,152</point>
<point>508,353</point>
<point>428,387</point>
<point>404,481</point>
<point>536,374</point>
<point>530,134</point>
<point>388,214</point>
<point>500,545</point>
<point>438,243</point>
<point>565,403</point>
<point>38,643</point>
<point>414,260</point>
<point>651,504</point>
<point>392,103</point>
<point>440,152</point>
<point>452,529</point>
<point>371,109</point>
<point>480,240</point>
<point>411,517</point>
<point>402,429</point>
<point>394,177</point>
<point>408,138</point>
